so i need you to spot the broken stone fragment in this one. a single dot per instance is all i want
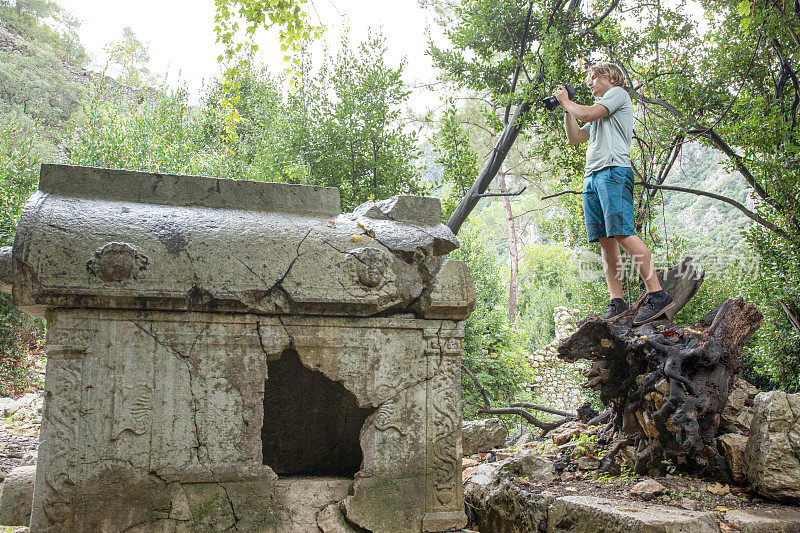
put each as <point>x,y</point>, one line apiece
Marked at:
<point>737,414</point>
<point>565,432</point>
<point>718,488</point>
<point>403,208</point>
<point>690,504</point>
<point>499,504</point>
<point>589,513</point>
<point>451,294</point>
<point>388,221</point>
<point>764,520</point>
<point>409,240</point>
<point>332,520</point>
<point>733,448</point>
<point>8,406</point>
<point>482,435</point>
<point>528,464</point>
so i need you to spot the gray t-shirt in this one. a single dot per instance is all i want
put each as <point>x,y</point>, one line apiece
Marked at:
<point>610,136</point>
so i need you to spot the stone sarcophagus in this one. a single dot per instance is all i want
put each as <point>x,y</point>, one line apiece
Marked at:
<point>238,355</point>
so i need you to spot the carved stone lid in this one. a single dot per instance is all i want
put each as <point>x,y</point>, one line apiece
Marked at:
<point>96,238</point>
<point>197,191</point>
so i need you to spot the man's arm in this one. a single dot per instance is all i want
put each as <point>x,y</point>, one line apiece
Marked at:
<point>575,135</point>
<point>584,113</point>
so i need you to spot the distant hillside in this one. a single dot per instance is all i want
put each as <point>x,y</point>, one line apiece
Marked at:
<point>40,88</point>
<point>710,227</point>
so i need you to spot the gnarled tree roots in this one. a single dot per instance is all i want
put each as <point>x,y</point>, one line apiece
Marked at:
<point>666,384</point>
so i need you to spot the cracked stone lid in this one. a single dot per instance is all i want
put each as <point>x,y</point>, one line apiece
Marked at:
<point>98,238</point>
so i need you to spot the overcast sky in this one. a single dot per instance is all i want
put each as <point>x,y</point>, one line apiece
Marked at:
<point>180,33</point>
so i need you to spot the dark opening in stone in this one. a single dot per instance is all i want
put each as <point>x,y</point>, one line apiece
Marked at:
<point>311,424</point>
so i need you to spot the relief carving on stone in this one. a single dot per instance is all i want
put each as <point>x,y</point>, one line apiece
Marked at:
<point>62,431</point>
<point>385,417</point>
<point>369,266</point>
<point>133,409</point>
<point>444,401</point>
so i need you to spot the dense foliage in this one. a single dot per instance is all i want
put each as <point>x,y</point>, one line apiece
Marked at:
<point>492,350</point>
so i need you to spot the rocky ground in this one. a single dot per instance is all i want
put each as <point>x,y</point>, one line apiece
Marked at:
<point>20,418</point>
<point>525,484</point>
<point>677,491</point>
<point>523,481</point>
<point>19,431</point>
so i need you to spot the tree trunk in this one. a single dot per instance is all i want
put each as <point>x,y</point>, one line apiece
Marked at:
<point>513,282</point>
<point>489,171</point>
<point>666,384</point>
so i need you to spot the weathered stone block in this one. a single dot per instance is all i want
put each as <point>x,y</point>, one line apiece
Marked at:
<point>733,448</point>
<point>772,461</point>
<point>601,515</point>
<point>16,496</point>
<point>214,361</point>
<point>451,294</point>
<point>764,520</point>
<point>177,418</point>
<point>500,505</point>
<point>737,416</point>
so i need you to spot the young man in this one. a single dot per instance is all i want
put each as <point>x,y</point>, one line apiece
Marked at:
<point>608,186</point>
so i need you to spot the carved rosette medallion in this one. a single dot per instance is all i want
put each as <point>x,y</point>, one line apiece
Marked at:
<point>116,262</point>
<point>369,266</point>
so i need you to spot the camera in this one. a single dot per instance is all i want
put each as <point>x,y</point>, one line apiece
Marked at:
<point>551,103</point>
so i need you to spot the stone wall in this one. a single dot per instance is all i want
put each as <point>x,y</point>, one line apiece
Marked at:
<point>557,383</point>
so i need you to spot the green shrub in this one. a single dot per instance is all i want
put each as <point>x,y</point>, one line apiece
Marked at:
<point>492,350</point>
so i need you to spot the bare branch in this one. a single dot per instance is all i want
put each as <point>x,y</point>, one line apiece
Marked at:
<point>559,194</point>
<point>749,214</point>
<point>601,18</point>
<point>791,314</point>
<point>542,408</point>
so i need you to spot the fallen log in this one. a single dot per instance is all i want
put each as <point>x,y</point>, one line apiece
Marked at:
<point>666,384</point>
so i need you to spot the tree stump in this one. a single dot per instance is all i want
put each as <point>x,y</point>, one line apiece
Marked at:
<point>666,384</point>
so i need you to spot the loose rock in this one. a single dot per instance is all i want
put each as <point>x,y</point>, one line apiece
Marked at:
<point>587,513</point>
<point>733,448</point>
<point>647,487</point>
<point>763,521</point>
<point>17,496</point>
<point>482,435</point>
<point>564,433</point>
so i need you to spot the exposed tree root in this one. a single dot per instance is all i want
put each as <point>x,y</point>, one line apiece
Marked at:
<point>666,385</point>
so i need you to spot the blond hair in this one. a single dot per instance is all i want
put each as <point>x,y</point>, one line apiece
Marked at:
<point>610,71</point>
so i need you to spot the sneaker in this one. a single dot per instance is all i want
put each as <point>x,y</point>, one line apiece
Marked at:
<point>655,305</point>
<point>616,307</point>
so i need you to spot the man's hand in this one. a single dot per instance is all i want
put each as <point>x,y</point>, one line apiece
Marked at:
<point>561,94</point>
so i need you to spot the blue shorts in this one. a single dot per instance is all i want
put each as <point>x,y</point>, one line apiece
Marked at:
<point>608,203</point>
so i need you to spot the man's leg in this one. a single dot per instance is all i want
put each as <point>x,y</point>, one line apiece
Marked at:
<point>612,265</point>
<point>641,257</point>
